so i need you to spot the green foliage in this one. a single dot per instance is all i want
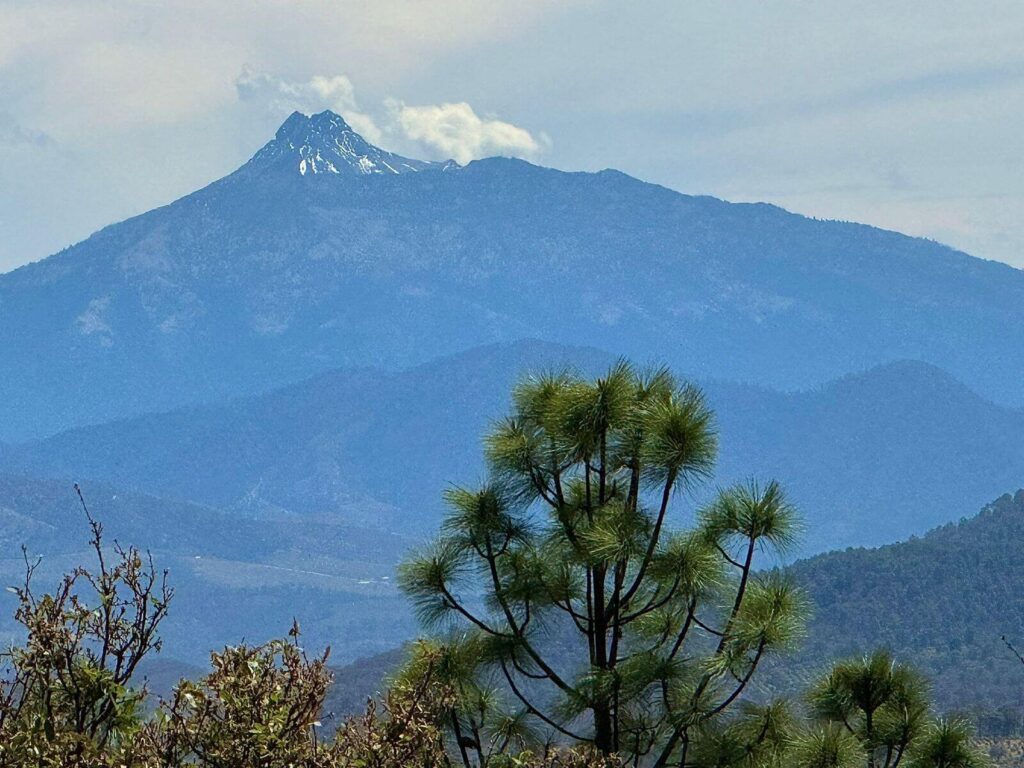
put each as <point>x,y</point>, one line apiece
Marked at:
<point>942,601</point>
<point>658,631</point>
<point>756,737</point>
<point>67,699</point>
<point>749,513</point>
<point>883,705</point>
<point>66,695</point>
<point>258,707</point>
<point>946,743</point>
<point>827,746</point>
<point>566,613</point>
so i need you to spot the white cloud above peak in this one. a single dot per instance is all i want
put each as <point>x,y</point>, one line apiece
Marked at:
<point>444,131</point>
<point>456,131</point>
<point>280,97</point>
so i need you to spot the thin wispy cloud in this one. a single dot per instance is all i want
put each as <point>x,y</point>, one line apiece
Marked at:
<point>14,134</point>
<point>279,96</point>
<point>940,85</point>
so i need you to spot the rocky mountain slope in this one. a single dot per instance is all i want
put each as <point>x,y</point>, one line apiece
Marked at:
<point>273,274</point>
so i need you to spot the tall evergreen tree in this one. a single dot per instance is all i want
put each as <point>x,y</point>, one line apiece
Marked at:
<point>884,705</point>
<point>570,538</point>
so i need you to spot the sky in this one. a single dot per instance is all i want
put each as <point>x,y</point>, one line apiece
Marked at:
<point>905,115</point>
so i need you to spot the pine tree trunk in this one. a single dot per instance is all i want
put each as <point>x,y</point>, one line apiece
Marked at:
<point>604,739</point>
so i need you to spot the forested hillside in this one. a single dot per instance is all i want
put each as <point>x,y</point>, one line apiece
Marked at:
<point>942,601</point>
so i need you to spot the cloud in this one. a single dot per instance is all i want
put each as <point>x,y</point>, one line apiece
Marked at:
<point>448,130</point>
<point>456,131</point>
<point>278,94</point>
<point>281,97</point>
<point>14,134</point>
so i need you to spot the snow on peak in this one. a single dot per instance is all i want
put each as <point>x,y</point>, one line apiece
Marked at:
<point>325,143</point>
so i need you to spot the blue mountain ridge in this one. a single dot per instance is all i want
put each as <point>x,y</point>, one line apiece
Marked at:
<point>271,275</point>
<point>868,458</point>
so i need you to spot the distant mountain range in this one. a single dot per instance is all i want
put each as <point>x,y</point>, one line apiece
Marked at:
<point>300,502</point>
<point>234,578</point>
<point>868,459</point>
<point>325,252</point>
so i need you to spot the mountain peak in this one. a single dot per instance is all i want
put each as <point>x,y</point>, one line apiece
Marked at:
<point>325,143</point>
<point>299,127</point>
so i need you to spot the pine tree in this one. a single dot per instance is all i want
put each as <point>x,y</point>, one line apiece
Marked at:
<point>604,624</point>
<point>882,705</point>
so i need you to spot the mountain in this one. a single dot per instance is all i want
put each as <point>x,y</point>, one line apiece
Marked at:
<point>271,275</point>
<point>325,143</point>
<point>358,444</point>
<point>874,457</point>
<point>868,458</point>
<point>360,680</point>
<point>942,601</point>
